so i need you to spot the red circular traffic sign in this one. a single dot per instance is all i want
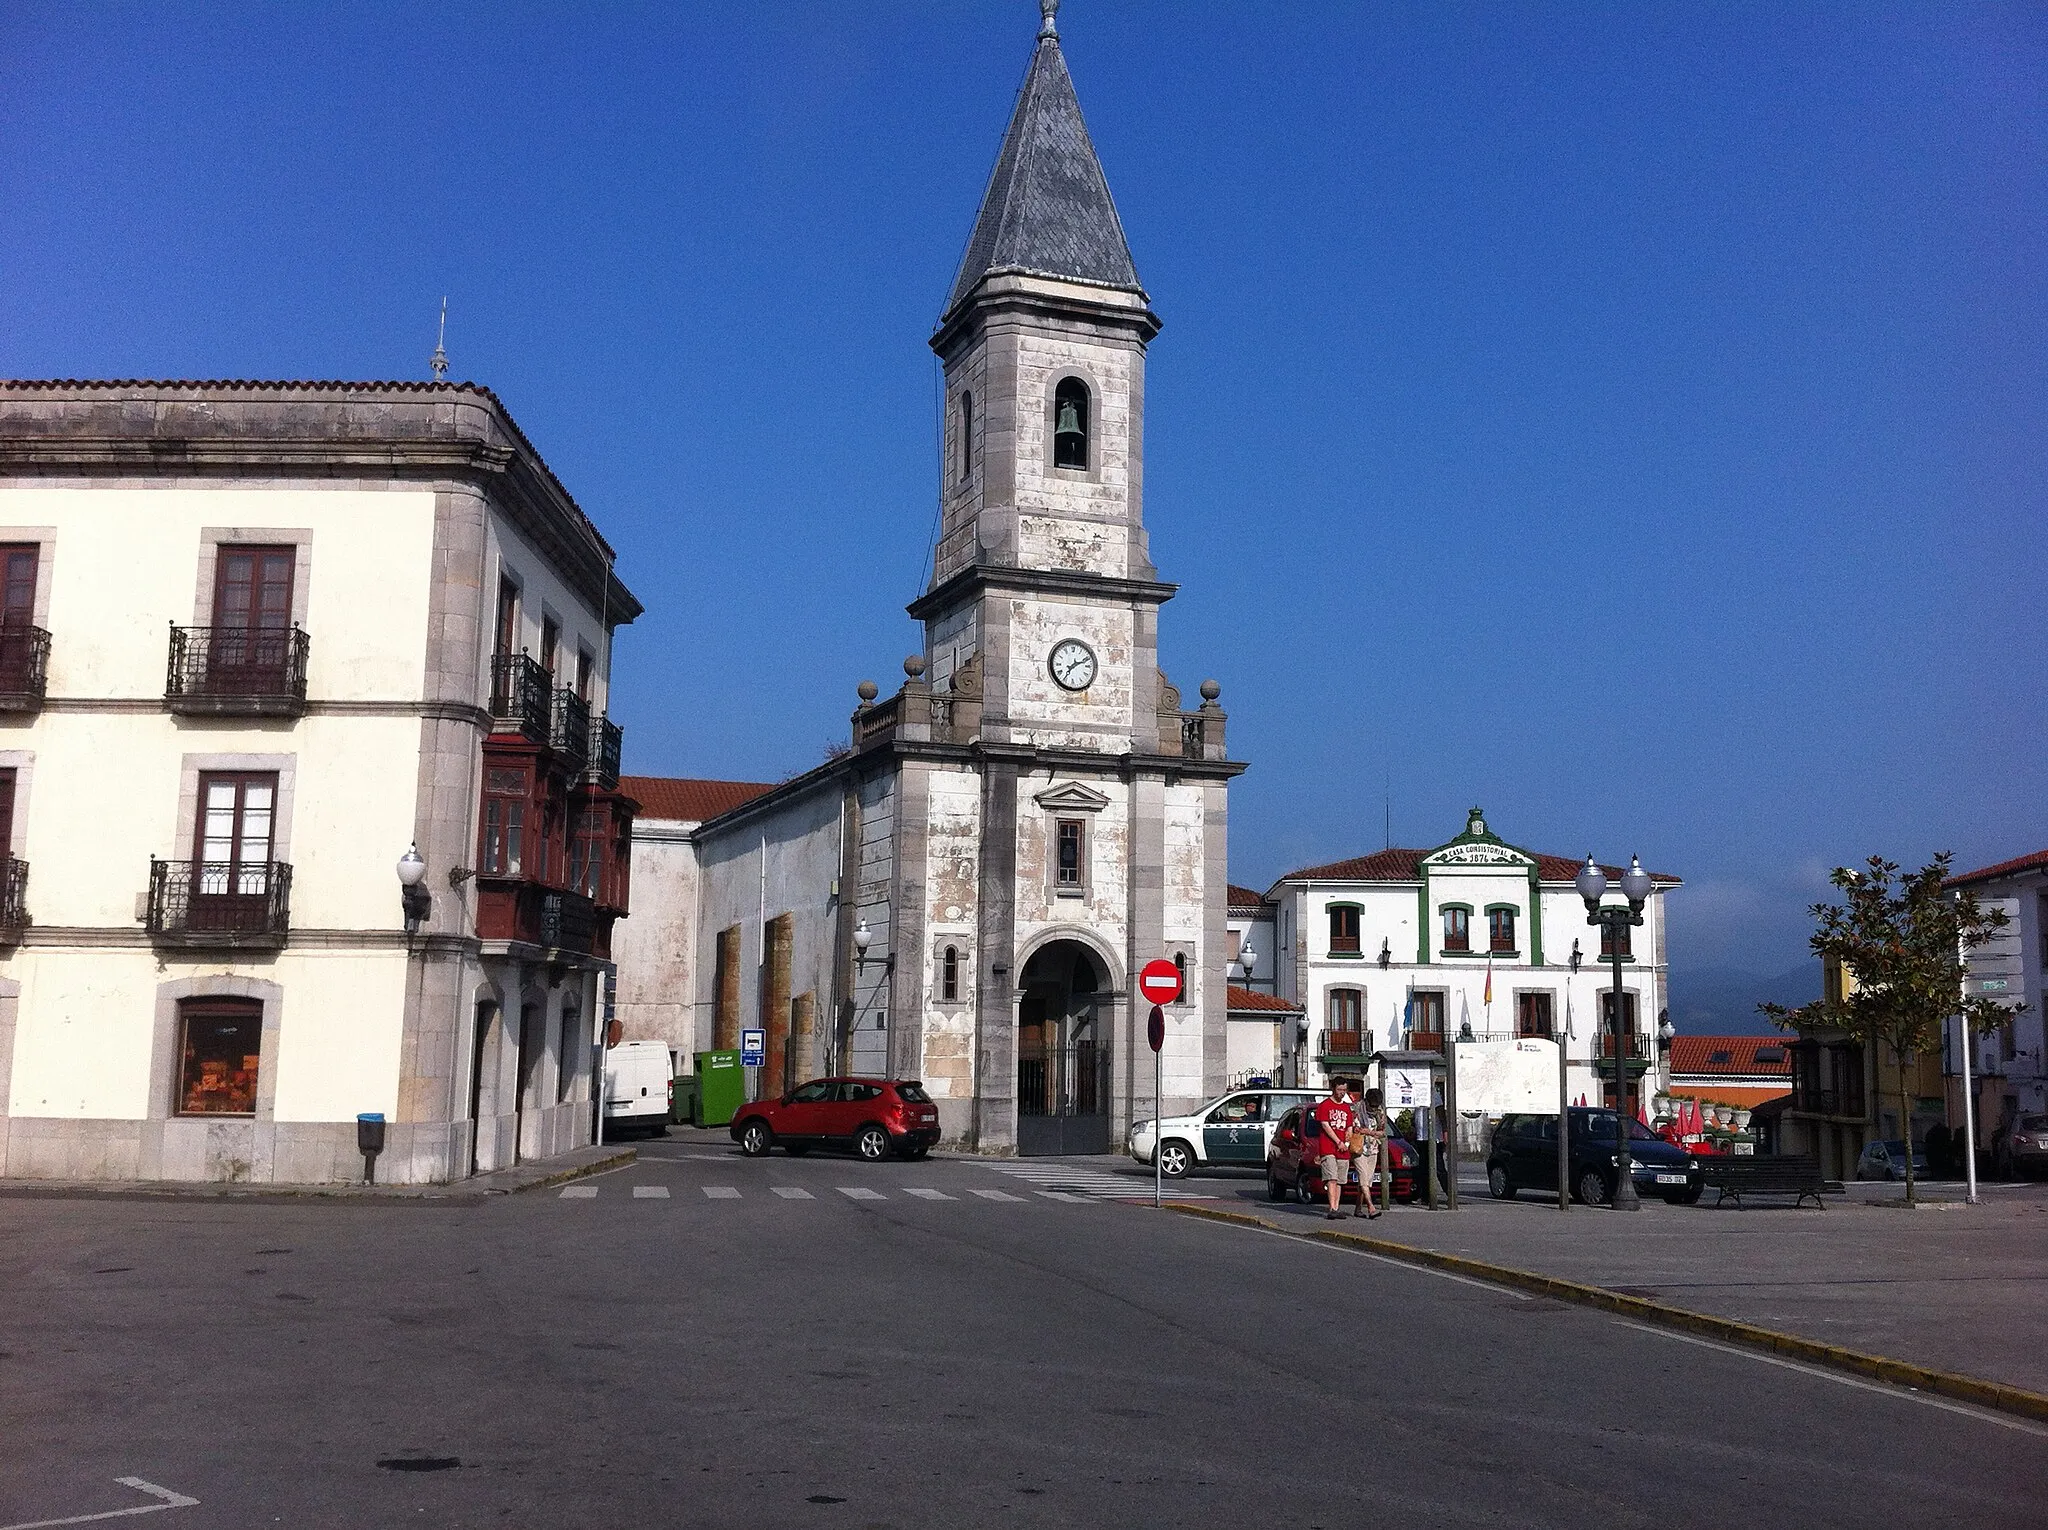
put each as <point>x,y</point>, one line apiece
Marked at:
<point>1159,981</point>
<point>1155,1029</point>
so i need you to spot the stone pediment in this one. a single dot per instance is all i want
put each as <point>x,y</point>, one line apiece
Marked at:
<point>1071,797</point>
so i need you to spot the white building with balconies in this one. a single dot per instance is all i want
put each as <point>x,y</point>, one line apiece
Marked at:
<point>256,641</point>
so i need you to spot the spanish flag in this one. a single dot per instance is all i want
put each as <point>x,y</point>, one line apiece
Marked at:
<point>1488,999</point>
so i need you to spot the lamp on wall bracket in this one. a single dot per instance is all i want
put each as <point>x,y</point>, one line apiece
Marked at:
<point>1386,953</point>
<point>417,902</point>
<point>863,937</point>
<point>457,875</point>
<point>1577,956</point>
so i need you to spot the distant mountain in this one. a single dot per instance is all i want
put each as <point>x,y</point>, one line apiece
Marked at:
<point>1722,1001</point>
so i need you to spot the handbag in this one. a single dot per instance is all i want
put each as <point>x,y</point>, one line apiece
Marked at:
<point>1357,1143</point>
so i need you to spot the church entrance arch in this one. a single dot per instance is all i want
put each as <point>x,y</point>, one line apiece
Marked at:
<point>1064,1015</point>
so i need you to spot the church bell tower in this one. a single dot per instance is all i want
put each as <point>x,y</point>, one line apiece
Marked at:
<point>1042,567</point>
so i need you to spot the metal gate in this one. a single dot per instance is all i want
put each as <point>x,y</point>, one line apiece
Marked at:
<point>1063,1095</point>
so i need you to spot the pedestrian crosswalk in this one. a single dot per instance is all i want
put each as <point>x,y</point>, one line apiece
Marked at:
<point>1050,1175</point>
<point>1071,1194</point>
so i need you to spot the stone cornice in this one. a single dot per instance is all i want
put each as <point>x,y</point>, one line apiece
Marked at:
<point>1123,767</point>
<point>429,434</point>
<point>1042,581</point>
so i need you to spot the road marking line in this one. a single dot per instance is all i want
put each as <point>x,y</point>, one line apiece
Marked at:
<point>996,1195</point>
<point>1904,1394</point>
<point>579,1193</point>
<point>650,1192</point>
<point>791,1193</point>
<point>170,1499</point>
<point>926,1195</point>
<point>1068,1196</point>
<point>721,1193</point>
<point>861,1193</point>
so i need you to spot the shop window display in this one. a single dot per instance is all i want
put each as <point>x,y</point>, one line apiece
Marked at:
<point>219,1049</point>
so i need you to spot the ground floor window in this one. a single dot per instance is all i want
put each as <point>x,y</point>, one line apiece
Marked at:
<point>220,1045</point>
<point>1533,1016</point>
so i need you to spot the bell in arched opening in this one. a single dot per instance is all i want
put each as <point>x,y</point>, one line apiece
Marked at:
<point>1070,424</point>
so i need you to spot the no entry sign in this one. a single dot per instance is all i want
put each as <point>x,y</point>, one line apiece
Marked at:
<point>1159,982</point>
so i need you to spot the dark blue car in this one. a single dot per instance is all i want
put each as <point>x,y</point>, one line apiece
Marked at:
<point>1524,1157</point>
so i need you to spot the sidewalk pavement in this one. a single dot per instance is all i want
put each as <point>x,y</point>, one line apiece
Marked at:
<point>533,1175</point>
<point>1953,1287</point>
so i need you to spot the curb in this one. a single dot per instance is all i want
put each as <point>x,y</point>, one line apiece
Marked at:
<point>603,1165</point>
<point>1971,1389</point>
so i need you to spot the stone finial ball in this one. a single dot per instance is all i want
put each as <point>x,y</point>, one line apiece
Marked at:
<point>914,665</point>
<point>1211,690</point>
<point>867,690</point>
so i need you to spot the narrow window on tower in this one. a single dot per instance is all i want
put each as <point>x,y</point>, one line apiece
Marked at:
<point>966,437</point>
<point>1070,424</point>
<point>949,974</point>
<point>1072,832</point>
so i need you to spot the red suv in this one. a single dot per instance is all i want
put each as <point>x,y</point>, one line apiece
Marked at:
<point>873,1116</point>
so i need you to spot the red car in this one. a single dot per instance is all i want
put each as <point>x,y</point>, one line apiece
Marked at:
<point>873,1116</point>
<point>1290,1171</point>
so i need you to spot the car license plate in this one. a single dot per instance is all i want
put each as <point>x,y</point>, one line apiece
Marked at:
<point>1670,1179</point>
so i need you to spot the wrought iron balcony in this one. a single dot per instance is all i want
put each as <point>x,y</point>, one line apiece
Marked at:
<point>243,671</point>
<point>520,699</point>
<point>569,737</point>
<point>24,668</point>
<point>606,737</point>
<point>13,898</point>
<point>219,903</point>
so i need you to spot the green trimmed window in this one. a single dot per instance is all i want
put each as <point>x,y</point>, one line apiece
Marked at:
<point>1500,927</point>
<point>1457,926</point>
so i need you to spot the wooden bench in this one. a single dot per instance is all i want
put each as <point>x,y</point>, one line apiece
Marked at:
<point>1796,1175</point>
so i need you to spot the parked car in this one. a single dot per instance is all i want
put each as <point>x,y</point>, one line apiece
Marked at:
<point>1292,1171</point>
<point>1233,1129</point>
<point>1523,1156</point>
<point>1887,1160</point>
<point>875,1117</point>
<point>639,1083</point>
<point>2027,1146</point>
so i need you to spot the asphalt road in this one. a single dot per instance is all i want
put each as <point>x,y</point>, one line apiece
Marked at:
<point>724,1355</point>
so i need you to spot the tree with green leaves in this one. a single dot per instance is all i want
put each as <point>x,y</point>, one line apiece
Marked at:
<point>1906,940</point>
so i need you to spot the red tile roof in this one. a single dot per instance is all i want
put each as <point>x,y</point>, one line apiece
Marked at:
<point>1246,998</point>
<point>1246,897</point>
<point>1406,866</point>
<point>2002,869</point>
<point>689,801</point>
<point>1699,1056</point>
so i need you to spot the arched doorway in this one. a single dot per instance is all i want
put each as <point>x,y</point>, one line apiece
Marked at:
<point>1063,1052</point>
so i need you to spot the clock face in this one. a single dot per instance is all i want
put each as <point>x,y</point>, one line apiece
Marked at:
<point>1073,664</point>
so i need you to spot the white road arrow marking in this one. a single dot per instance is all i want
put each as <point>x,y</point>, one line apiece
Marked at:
<point>169,1500</point>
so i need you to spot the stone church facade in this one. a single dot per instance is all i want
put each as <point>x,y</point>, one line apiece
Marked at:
<point>966,896</point>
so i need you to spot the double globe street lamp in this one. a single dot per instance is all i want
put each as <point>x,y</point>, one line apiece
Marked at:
<point>1615,920</point>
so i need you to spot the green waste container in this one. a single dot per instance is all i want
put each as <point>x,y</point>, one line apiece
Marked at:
<point>721,1087</point>
<point>683,1100</point>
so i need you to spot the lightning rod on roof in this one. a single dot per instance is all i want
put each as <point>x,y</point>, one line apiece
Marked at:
<point>439,360</point>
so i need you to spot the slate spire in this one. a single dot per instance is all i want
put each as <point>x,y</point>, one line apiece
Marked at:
<point>1047,209</point>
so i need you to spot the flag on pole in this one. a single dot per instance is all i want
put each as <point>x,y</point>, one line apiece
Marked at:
<point>1488,999</point>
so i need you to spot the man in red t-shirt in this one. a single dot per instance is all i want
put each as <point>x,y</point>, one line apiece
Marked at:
<point>1333,1143</point>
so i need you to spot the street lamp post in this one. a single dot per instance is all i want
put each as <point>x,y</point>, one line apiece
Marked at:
<point>1615,920</point>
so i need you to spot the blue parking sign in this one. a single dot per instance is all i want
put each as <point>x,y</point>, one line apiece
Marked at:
<point>753,1048</point>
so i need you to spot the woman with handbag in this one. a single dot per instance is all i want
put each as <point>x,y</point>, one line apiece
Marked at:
<point>1368,1144</point>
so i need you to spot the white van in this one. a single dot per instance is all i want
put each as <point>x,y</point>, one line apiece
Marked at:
<point>638,1078</point>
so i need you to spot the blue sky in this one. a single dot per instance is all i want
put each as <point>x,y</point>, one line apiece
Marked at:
<point>1626,417</point>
